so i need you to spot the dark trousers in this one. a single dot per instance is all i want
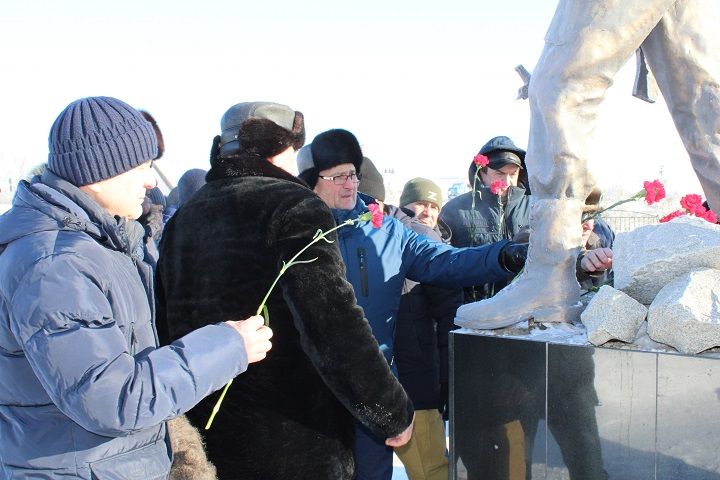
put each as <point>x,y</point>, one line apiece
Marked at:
<point>373,459</point>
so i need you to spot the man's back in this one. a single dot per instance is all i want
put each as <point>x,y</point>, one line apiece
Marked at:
<point>288,416</point>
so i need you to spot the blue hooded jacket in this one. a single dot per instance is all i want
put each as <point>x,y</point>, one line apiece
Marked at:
<point>84,392</point>
<point>378,260</point>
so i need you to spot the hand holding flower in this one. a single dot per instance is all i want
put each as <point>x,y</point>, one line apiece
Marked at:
<point>256,336</point>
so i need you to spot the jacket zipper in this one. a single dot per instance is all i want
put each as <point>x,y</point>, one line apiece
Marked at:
<point>362,259</point>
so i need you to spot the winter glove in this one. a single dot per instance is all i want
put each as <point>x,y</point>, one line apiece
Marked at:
<point>443,401</point>
<point>152,220</point>
<point>513,255</point>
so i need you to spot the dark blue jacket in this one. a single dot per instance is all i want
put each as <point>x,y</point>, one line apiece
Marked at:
<point>378,260</point>
<point>84,392</point>
<point>486,222</point>
<point>424,320</point>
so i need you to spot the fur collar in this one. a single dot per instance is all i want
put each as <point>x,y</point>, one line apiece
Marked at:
<point>248,165</point>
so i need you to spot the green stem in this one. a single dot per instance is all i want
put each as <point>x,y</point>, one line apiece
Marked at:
<point>216,408</point>
<point>619,202</point>
<point>472,228</point>
<point>289,264</point>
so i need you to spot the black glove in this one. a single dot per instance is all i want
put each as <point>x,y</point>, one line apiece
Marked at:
<point>443,398</point>
<point>513,255</point>
<point>152,221</point>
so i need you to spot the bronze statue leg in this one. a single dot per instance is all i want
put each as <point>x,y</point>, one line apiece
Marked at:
<point>683,53</point>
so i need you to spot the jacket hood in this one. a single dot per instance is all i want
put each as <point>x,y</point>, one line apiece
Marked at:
<point>50,203</point>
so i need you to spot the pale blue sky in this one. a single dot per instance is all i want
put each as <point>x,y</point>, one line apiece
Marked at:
<point>422,84</point>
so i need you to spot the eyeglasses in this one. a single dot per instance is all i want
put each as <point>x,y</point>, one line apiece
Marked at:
<point>341,179</point>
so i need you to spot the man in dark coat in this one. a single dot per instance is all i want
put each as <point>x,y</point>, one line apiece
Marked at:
<point>293,417</point>
<point>483,216</point>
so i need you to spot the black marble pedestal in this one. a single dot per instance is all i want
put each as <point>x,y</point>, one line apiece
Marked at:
<point>533,409</point>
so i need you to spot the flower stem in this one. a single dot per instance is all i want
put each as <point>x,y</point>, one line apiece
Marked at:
<point>619,202</point>
<point>289,264</point>
<point>216,408</point>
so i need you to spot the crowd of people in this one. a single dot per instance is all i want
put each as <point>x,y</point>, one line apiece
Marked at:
<point>124,311</point>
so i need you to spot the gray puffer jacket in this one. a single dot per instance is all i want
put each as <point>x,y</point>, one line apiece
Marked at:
<point>84,392</point>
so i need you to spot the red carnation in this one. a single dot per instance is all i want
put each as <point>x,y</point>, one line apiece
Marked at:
<point>481,160</point>
<point>693,204</point>
<point>498,187</point>
<point>670,216</point>
<point>377,215</point>
<point>709,215</point>
<point>654,191</point>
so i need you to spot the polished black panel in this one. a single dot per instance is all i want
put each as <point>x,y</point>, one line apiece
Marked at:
<point>601,413</point>
<point>688,425</point>
<point>524,409</point>
<point>499,401</point>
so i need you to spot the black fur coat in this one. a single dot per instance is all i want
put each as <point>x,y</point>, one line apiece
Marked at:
<point>289,416</point>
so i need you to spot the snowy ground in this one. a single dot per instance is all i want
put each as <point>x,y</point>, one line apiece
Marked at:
<point>4,207</point>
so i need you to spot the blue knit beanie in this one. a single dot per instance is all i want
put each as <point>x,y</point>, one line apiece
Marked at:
<point>96,138</point>
<point>156,197</point>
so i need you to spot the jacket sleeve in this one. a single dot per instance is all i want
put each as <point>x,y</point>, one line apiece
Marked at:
<point>333,331</point>
<point>64,322</point>
<point>444,303</point>
<point>445,266</point>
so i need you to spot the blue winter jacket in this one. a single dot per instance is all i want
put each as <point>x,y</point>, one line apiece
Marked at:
<point>378,260</point>
<point>84,392</point>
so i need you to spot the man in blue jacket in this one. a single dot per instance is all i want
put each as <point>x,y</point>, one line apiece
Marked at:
<point>378,260</point>
<point>84,390</point>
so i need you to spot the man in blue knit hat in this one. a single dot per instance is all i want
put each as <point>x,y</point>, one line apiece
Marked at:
<point>84,390</point>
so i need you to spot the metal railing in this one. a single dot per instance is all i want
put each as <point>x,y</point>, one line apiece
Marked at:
<point>624,221</point>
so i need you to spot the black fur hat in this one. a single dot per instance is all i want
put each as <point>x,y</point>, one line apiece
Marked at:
<point>327,150</point>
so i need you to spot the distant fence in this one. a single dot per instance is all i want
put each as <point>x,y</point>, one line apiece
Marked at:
<point>624,221</point>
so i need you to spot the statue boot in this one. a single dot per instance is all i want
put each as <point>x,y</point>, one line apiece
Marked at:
<point>547,289</point>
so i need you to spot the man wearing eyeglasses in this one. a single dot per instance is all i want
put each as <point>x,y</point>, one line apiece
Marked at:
<point>378,260</point>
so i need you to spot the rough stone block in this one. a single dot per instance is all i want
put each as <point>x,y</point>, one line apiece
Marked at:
<point>686,312</point>
<point>612,314</point>
<point>648,258</point>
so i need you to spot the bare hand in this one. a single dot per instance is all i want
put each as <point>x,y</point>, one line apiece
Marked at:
<point>597,260</point>
<point>402,438</point>
<point>255,335</point>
